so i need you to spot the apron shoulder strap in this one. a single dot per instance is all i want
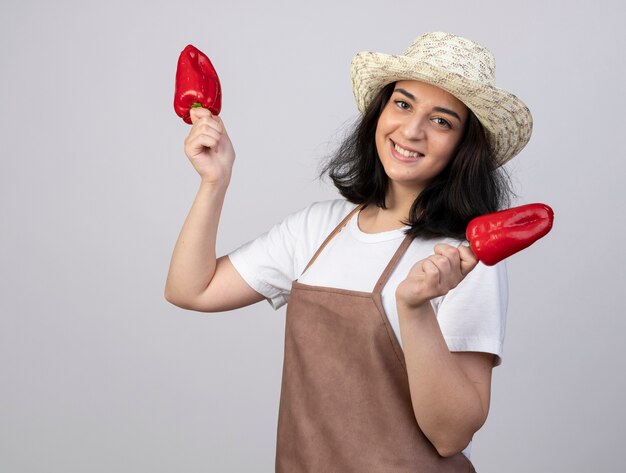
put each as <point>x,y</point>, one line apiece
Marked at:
<point>384,277</point>
<point>337,229</point>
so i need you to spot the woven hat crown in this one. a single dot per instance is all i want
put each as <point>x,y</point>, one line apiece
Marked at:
<point>456,54</point>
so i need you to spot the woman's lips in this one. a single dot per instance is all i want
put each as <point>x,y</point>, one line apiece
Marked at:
<point>403,154</point>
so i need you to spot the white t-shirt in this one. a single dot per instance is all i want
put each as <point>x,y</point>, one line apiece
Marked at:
<point>472,316</point>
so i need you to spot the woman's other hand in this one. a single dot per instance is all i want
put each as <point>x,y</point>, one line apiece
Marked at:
<point>209,148</point>
<point>436,275</point>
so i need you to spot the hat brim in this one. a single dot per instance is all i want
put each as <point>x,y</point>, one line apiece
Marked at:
<point>506,119</point>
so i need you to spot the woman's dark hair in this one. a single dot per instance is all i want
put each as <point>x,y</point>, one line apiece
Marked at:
<point>471,184</point>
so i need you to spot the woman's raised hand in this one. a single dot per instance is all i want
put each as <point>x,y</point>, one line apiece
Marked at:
<point>436,275</point>
<point>209,148</point>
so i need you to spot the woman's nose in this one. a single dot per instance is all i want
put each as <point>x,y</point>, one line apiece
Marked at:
<point>414,128</point>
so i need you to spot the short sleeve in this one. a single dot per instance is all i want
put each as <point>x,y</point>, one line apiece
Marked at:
<point>271,262</point>
<point>267,262</point>
<point>472,316</point>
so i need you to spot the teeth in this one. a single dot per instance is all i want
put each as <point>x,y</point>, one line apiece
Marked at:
<point>405,152</point>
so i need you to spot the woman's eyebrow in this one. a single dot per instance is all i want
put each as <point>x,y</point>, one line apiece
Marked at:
<point>448,111</point>
<point>406,93</point>
<point>409,95</point>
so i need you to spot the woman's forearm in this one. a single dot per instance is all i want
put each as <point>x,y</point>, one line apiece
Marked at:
<point>446,404</point>
<point>194,260</point>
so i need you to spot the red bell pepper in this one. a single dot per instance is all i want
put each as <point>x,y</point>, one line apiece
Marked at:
<point>197,84</point>
<point>498,235</point>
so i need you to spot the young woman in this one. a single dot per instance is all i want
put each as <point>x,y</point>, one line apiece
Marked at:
<point>392,327</point>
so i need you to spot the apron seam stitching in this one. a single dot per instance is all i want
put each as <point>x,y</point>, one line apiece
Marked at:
<point>386,325</point>
<point>335,290</point>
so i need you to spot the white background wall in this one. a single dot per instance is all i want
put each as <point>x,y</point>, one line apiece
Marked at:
<point>99,373</point>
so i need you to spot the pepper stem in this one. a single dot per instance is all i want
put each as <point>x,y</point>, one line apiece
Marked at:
<point>196,105</point>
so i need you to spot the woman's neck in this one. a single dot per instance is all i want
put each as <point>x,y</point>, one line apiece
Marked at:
<point>398,201</point>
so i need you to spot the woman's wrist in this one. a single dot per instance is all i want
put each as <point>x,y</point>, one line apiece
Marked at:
<point>409,299</point>
<point>214,187</point>
<point>416,308</point>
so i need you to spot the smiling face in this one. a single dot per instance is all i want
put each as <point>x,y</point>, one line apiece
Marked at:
<point>418,132</point>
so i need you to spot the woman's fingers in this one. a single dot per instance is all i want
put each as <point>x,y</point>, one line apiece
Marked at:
<point>202,116</point>
<point>454,263</point>
<point>450,252</point>
<point>206,131</point>
<point>209,148</point>
<point>447,259</point>
<point>201,142</point>
<point>432,274</point>
<point>203,137</point>
<point>199,113</point>
<point>438,274</point>
<point>468,259</point>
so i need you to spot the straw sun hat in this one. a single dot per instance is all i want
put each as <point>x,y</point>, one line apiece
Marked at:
<point>461,67</point>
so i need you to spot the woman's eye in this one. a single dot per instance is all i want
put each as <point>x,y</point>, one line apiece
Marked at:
<point>442,122</point>
<point>402,104</point>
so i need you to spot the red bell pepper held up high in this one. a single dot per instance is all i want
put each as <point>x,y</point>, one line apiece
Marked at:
<point>496,236</point>
<point>197,84</point>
